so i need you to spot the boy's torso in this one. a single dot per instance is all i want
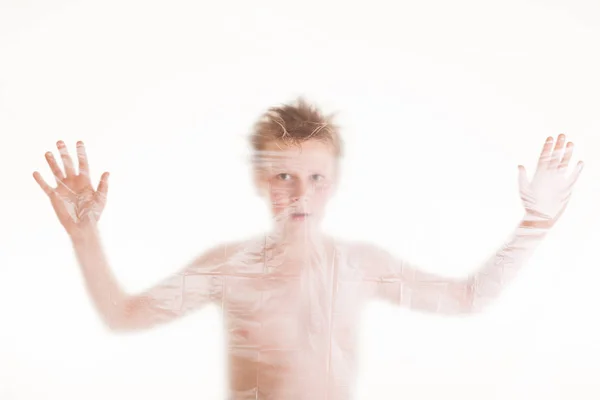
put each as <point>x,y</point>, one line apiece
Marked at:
<point>291,320</point>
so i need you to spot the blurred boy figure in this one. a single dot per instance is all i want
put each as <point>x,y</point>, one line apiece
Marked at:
<point>291,298</point>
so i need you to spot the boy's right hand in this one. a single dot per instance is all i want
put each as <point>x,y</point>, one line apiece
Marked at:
<point>74,199</point>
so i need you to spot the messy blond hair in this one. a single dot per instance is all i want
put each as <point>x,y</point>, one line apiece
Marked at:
<point>292,124</point>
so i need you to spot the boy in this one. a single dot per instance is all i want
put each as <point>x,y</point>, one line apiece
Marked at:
<point>292,297</point>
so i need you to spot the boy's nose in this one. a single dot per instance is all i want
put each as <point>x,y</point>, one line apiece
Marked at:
<point>301,190</point>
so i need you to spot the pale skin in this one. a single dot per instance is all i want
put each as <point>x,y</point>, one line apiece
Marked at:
<point>291,298</point>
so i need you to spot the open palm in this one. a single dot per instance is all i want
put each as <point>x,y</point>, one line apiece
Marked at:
<point>546,196</point>
<point>74,199</point>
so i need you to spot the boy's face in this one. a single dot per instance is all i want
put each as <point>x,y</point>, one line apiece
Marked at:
<point>298,182</point>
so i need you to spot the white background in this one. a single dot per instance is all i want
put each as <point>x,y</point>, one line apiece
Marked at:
<point>439,102</point>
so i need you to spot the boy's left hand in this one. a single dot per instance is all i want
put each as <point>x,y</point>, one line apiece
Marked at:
<point>546,196</point>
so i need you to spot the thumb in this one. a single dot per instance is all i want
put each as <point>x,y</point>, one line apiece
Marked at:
<point>523,181</point>
<point>103,184</point>
<point>575,174</point>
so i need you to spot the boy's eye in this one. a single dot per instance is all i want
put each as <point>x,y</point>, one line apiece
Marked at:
<point>284,177</point>
<point>317,177</point>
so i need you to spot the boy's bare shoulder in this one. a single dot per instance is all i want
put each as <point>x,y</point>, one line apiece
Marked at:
<point>357,250</point>
<point>226,250</point>
<point>365,256</point>
<point>222,257</point>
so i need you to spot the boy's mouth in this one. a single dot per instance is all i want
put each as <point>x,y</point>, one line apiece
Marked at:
<point>299,216</point>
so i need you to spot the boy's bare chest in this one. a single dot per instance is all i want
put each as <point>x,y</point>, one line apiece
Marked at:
<point>294,307</point>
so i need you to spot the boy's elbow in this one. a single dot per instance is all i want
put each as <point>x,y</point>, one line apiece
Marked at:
<point>472,303</point>
<point>114,327</point>
<point>118,324</point>
<point>474,306</point>
<point>124,318</point>
<point>138,313</point>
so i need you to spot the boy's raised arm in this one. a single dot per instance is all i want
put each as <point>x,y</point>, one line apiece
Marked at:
<point>78,207</point>
<point>189,289</point>
<point>545,198</point>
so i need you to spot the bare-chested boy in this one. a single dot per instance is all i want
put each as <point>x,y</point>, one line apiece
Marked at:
<point>291,298</point>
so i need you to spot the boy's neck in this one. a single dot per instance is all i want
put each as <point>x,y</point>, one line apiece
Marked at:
<point>297,239</point>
